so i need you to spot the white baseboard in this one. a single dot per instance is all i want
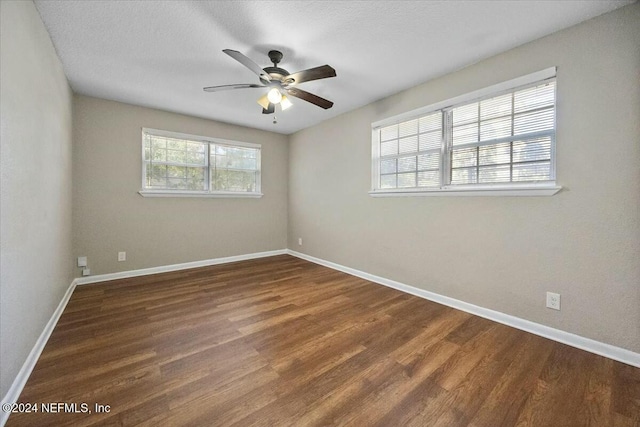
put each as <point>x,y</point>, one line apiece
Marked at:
<point>607,350</point>
<point>27,367</point>
<point>175,267</point>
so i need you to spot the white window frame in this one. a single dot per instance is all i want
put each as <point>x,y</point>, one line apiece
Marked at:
<point>546,188</point>
<point>208,192</point>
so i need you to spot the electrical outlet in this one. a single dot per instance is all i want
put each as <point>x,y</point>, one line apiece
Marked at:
<point>122,256</point>
<point>553,301</point>
<point>86,272</point>
<point>82,261</point>
<point>299,241</point>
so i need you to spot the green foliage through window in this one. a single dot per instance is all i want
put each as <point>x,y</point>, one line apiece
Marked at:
<point>181,164</point>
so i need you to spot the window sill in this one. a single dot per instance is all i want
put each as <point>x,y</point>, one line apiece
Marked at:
<point>229,194</point>
<point>478,191</point>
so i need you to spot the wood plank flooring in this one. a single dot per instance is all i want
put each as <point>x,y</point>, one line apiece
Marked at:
<point>283,342</point>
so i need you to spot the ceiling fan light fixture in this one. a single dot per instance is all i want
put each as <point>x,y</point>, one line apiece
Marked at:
<point>264,101</point>
<point>285,103</point>
<point>274,96</point>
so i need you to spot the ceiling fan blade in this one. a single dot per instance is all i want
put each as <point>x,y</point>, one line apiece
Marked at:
<point>228,87</point>
<point>309,97</point>
<point>264,101</point>
<point>317,73</point>
<point>270,110</point>
<point>241,58</point>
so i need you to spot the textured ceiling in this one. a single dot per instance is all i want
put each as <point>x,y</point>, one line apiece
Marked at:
<point>161,54</point>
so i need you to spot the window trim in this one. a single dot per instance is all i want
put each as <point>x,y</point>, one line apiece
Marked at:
<point>547,188</point>
<point>515,189</point>
<point>204,193</point>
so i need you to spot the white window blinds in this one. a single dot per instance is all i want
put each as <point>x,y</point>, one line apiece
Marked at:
<point>507,138</point>
<point>410,153</point>
<point>502,138</point>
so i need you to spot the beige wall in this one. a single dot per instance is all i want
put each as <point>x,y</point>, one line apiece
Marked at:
<point>110,216</point>
<point>35,205</point>
<point>502,253</point>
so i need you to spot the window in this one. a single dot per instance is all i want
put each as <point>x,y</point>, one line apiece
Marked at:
<point>188,165</point>
<point>410,153</point>
<point>500,140</point>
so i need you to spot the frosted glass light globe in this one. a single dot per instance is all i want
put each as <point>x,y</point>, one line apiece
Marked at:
<point>274,96</point>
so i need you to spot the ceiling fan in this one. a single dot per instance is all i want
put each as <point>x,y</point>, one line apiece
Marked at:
<point>280,82</point>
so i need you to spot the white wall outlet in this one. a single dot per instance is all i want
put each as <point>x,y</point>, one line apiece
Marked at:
<point>299,241</point>
<point>82,261</point>
<point>553,300</point>
<point>122,256</point>
<point>86,272</point>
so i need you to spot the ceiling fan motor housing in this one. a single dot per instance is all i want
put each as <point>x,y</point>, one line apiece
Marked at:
<point>276,72</point>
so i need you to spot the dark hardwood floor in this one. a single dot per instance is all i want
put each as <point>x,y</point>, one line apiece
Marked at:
<point>280,341</point>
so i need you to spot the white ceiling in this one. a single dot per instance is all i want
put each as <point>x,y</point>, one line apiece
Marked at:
<point>161,54</point>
